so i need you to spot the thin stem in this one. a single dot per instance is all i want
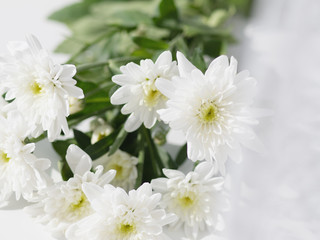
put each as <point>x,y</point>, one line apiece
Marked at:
<point>141,159</point>
<point>37,139</point>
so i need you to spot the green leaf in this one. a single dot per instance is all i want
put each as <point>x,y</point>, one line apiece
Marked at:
<point>70,46</point>
<point>167,10</point>
<point>73,12</point>
<point>89,28</point>
<point>128,18</point>
<point>65,170</point>
<point>82,139</point>
<point>61,146</point>
<point>150,43</point>
<point>106,9</point>
<point>119,140</point>
<point>155,158</point>
<point>102,147</point>
<point>198,59</point>
<point>182,155</point>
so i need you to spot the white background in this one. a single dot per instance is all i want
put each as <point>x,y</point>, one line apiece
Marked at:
<point>275,195</point>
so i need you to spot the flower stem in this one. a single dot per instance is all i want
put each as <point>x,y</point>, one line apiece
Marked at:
<point>37,139</point>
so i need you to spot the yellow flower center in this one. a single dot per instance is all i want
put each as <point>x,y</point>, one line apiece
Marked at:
<point>119,170</point>
<point>80,203</point>
<point>151,94</point>
<point>208,112</point>
<point>4,157</point>
<point>126,229</point>
<point>187,200</point>
<point>101,136</point>
<point>36,88</point>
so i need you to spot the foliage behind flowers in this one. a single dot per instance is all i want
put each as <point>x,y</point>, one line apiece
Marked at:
<point>108,34</point>
<point>145,67</point>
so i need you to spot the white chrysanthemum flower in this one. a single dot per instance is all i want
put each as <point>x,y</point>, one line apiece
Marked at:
<point>65,202</point>
<point>39,87</point>
<point>138,91</point>
<point>20,171</point>
<point>124,164</point>
<point>212,109</point>
<point>122,216</point>
<point>196,198</point>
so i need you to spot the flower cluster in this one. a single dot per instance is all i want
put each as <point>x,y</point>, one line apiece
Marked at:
<point>212,109</point>
<point>112,177</point>
<point>38,87</point>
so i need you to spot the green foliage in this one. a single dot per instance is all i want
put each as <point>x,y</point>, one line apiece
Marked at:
<point>106,34</point>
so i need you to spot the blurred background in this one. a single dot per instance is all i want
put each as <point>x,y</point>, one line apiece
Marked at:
<point>275,195</point>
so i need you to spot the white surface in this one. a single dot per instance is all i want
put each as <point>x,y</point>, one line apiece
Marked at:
<point>276,196</point>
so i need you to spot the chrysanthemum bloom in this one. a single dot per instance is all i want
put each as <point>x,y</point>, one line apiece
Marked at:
<point>196,198</point>
<point>21,172</point>
<point>39,87</point>
<point>122,216</point>
<point>65,202</point>
<point>124,164</point>
<point>212,109</point>
<point>138,91</point>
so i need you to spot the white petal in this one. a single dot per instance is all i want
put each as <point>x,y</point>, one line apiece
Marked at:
<point>79,161</point>
<point>166,87</point>
<point>218,64</point>
<point>132,123</point>
<point>123,79</point>
<point>121,95</point>
<point>95,194</point>
<point>107,177</point>
<point>150,119</point>
<point>184,65</point>
<point>165,58</point>
<point>34,44</point>
<point>159,184</point>
<point>170,173</point>
<point>74,91</point>
<point>69,70</point>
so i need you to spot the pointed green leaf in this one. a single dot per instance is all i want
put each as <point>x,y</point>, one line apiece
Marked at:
<point>82,139</point>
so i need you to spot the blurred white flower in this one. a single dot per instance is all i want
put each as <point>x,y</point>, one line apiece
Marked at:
<point>101,131</point>
<point>124,164</point>
<point>212,109</point>
<point>122,216</point>
<point>75,105</point>
<point>21,172</point>
<point>39,88</point>
<point>196,198</point>
<point>138,92</point>
<point>65,202</point>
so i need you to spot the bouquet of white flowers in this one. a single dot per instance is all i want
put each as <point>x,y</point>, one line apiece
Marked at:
<point>134,76</point>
